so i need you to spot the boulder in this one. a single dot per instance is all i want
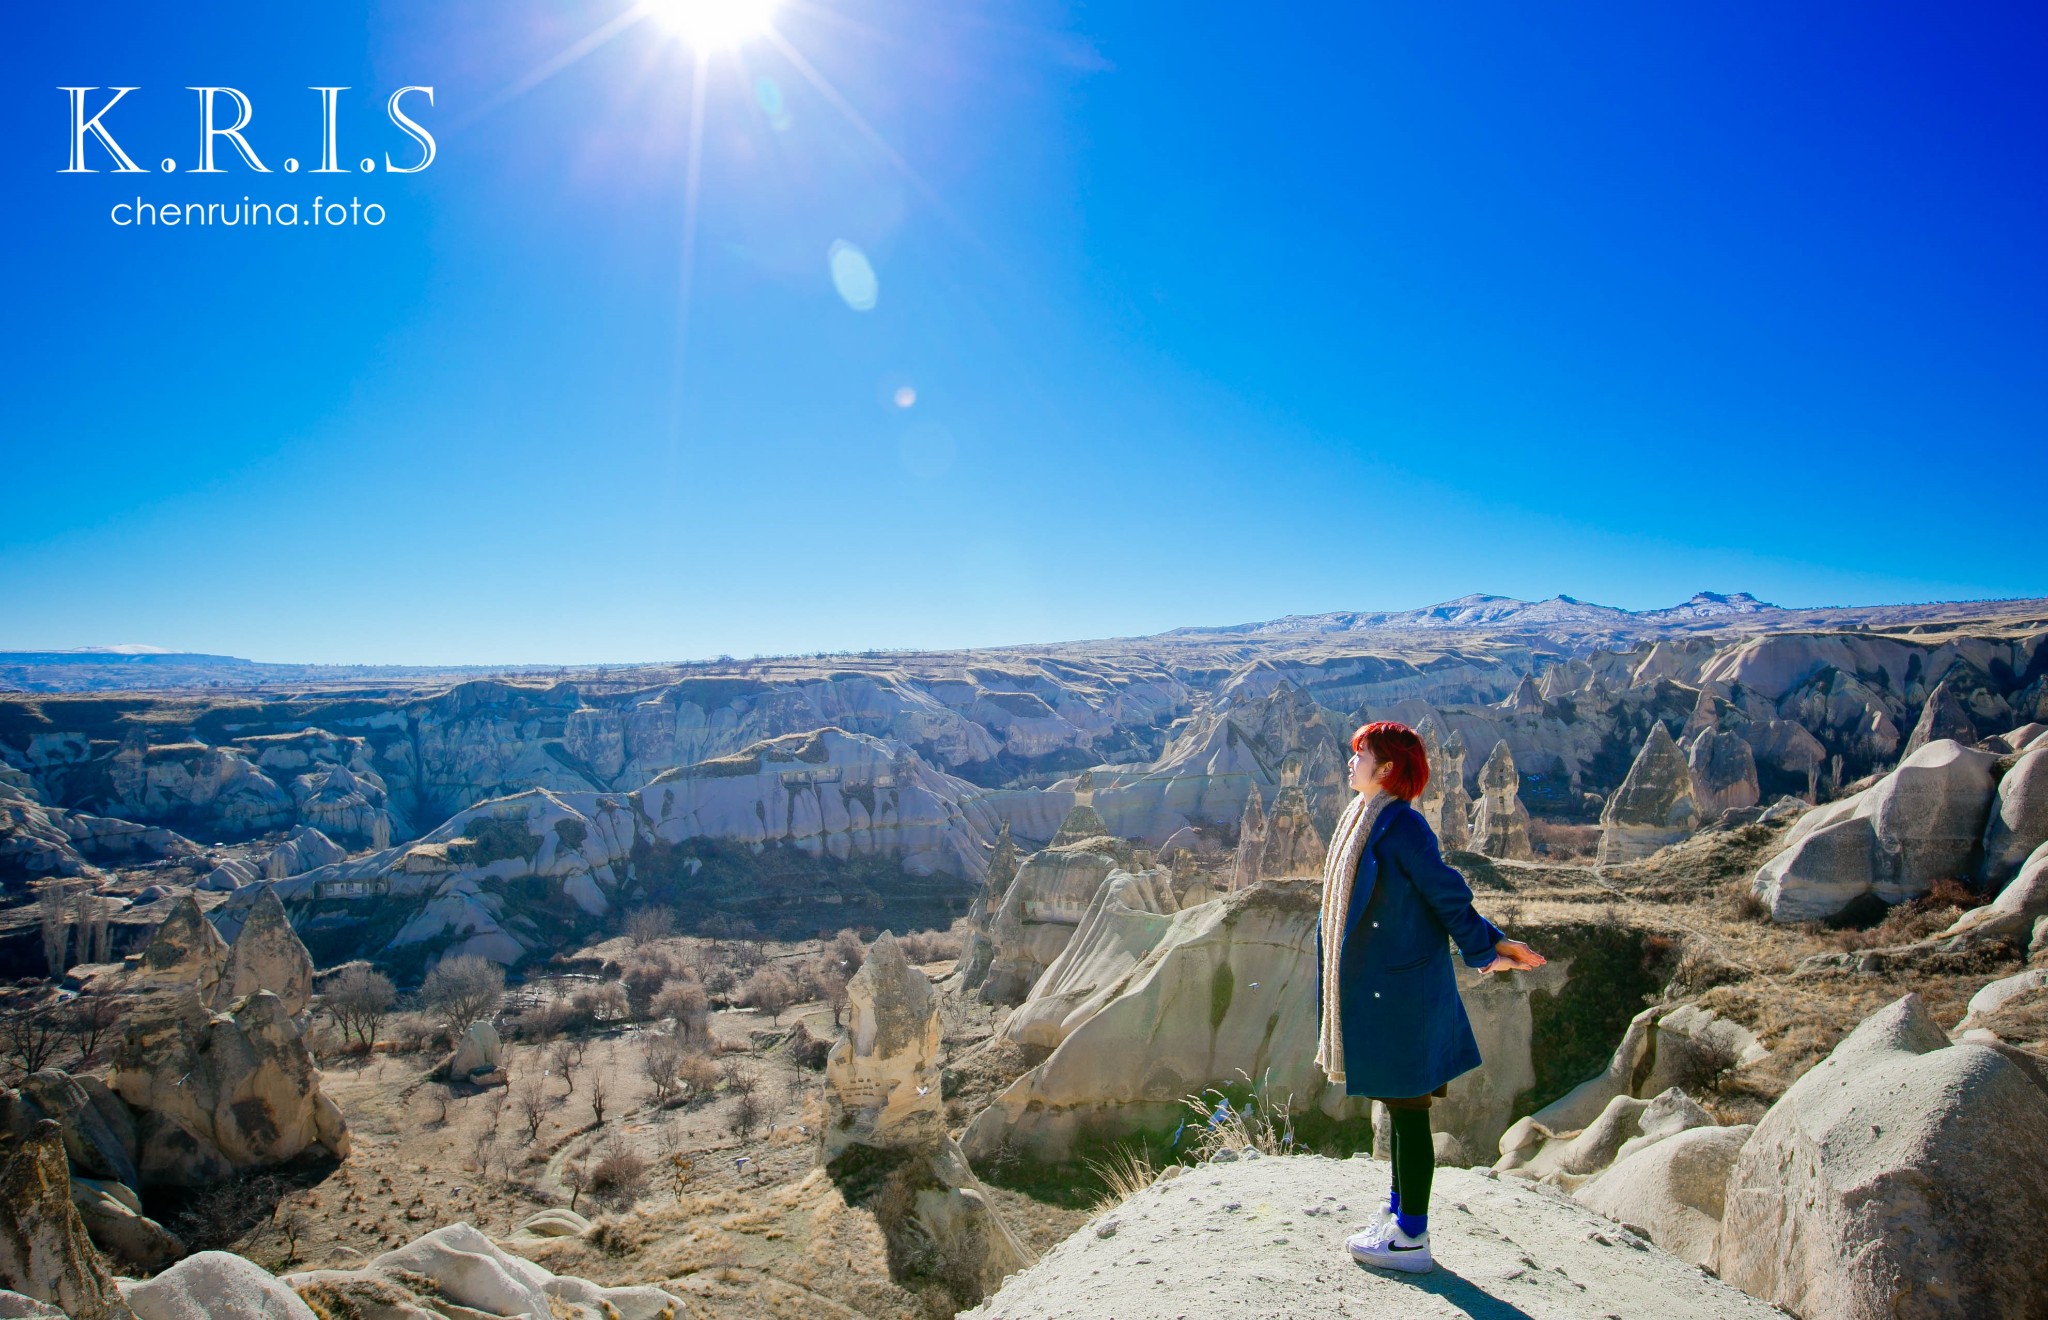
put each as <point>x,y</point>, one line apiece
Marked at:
<point>215,1285</point>
<point>1673,1189</point>
<point>1930,816</point>
<point>186,950</point>
<point>553,1223</point>
<point>882,1078</point>
<point>479,1050</point>
<point>1626,1125</point>
<point>14,1306</point>
<point>470,1270</point>
<point>113,1217</point>
<point>268,955</point>
<point>1922,822</point>
<point>238,1086</point>
<point>456,1270</point>
<point>1654,806</point>
<point>2019,819</point>
<point>1500,823</point>
<point>44,1251</point>
<point>1886,1181</point>
<point>1996,1000</point>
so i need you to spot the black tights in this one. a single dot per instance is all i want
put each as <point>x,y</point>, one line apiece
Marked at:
<point>1414,1160</point>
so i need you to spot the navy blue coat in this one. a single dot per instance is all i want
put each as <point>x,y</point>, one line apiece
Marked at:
<point>1405,1030</point>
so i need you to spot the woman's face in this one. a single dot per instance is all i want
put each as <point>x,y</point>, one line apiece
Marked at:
<point>1365,771</point>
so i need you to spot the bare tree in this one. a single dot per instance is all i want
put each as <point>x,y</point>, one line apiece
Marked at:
<point>358,999</point>
<point>648,924</point>
<point>828,978</point>
<point>659,1059</point>
<point>577,1179</point>
<point>598,1095</point>
<point>30,1032</point>
<point>533,1106</point>
<point>770,990</point>
<point>745,1116</point>
<point>87,1020</point>
<point>291,1223</point>
<point>563,1059</point>
<point>463,989</point>
<point>53,915</point>
<point>739,1078</point>
<point>90,914</point>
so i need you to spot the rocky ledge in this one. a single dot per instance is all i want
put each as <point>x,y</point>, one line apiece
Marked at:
<point>1265,1237</point>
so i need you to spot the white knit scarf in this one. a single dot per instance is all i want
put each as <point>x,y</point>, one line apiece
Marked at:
<point>1340,867</point>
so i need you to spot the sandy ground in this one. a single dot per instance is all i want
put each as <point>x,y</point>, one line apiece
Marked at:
<point>1265,1238</point>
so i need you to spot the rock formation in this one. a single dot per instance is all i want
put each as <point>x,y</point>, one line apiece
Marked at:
<point>1130,915</point>
<point>1250,861</point>
<point>44,1251</point>
<point>2013,915</point>
<point>1922,822</point>
<point>460,1267</point>
<point>980,950</point>
<point>479,1051</point>
<point>1500,823</point>
<point>1663,1044</point>
<point>1723,767</point>
<point>885,1140</point>
<point>1674,1189</point>
<point>1455,828</point>
<point>221,1091</point>
<point>1944,716</point>
<point>2019,819</point>
<point>1886,1180</point>
<point>267,955</point>
<point>882,1077</point>
<point>1052,892</point>
<point>186,950</point>
<point>1294,847</point>
<point>1229,986</point>
<point>1654,806</point>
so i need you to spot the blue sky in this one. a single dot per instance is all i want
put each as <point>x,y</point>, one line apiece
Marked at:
<point>1212,313</point>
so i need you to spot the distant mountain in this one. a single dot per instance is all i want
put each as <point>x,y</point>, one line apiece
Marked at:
<point>1468,613</point>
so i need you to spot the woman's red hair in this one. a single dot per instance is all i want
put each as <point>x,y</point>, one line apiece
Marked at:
<point>1399,749</point>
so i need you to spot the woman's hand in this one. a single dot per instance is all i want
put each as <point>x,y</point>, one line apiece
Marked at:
<point>1515,956</point>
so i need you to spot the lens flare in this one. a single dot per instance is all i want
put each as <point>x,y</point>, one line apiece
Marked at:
<point>712,24</point>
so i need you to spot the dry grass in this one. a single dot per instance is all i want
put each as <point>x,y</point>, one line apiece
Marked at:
<point>1125,1171</point>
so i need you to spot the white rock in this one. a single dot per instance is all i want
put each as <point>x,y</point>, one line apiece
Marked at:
<point>215,1285</point>
<point>1886,1180</point>
<point>1673,1189</point>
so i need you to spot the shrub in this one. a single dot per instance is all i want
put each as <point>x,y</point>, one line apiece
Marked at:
<point>646,925</point>
<point>684,1003</point>
<point>618,1178</point>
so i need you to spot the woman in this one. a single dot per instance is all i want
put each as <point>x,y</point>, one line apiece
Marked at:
<point>1393,1027</point>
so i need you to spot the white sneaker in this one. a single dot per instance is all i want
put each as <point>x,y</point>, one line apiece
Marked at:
<point>1391,1249</point>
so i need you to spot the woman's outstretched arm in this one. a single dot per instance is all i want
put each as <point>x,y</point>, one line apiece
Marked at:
<point>1445,891</point>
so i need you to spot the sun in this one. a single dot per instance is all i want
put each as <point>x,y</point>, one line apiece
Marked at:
<point>708,24</point>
